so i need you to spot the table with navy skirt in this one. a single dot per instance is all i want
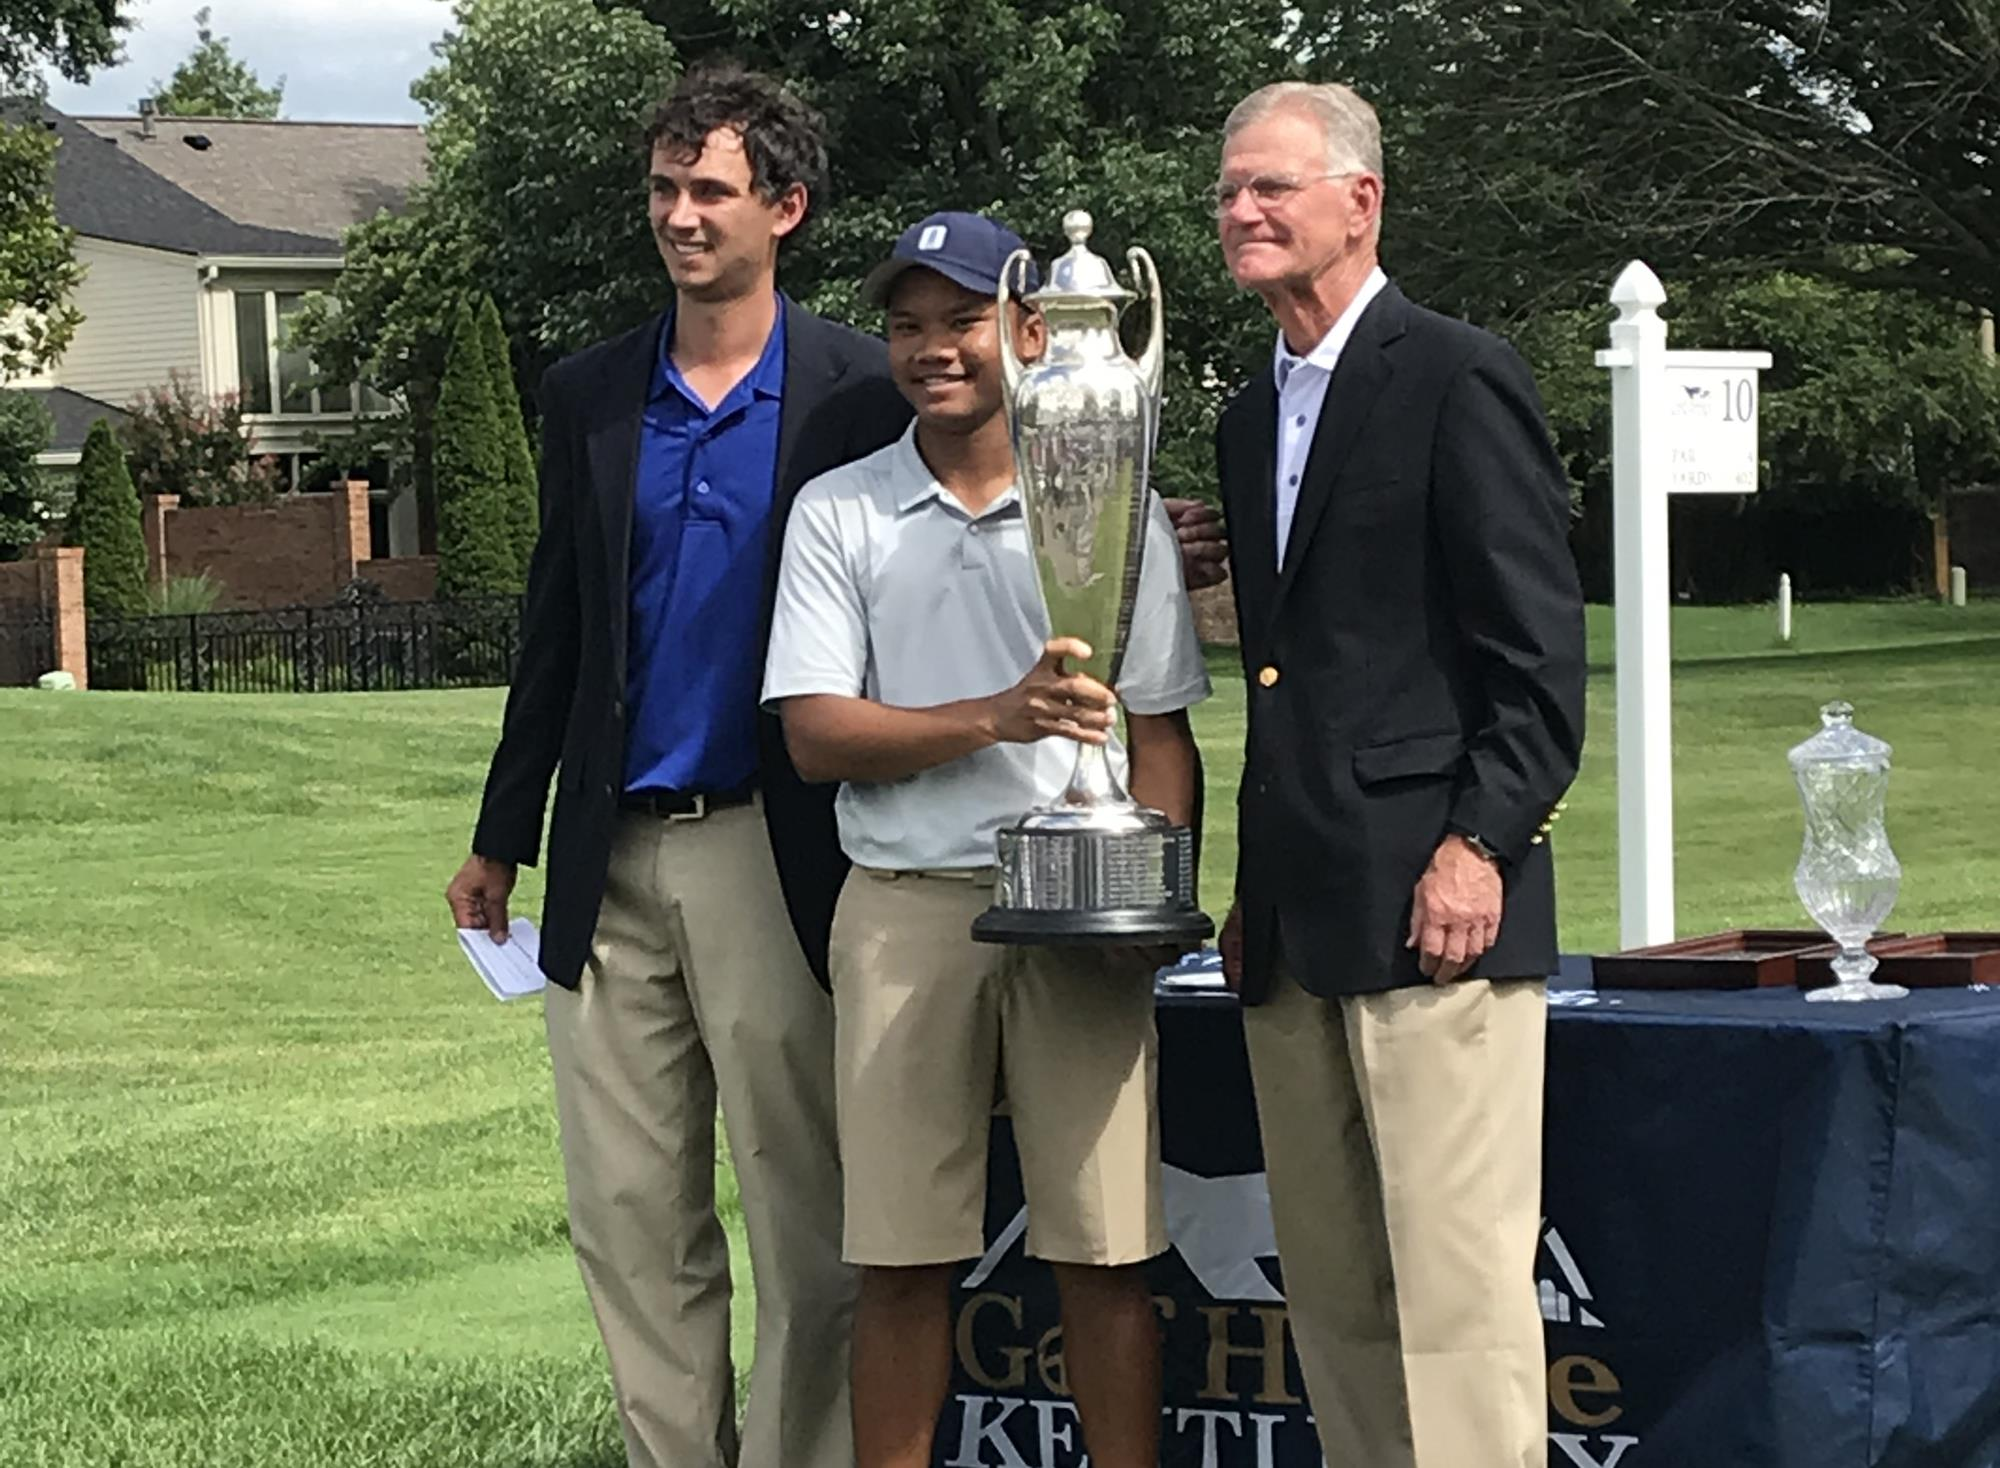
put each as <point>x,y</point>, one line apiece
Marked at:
<point>1772,1240</point>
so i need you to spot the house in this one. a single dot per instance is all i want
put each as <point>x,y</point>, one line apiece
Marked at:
<point>200,237</point>
<point>72,414</point>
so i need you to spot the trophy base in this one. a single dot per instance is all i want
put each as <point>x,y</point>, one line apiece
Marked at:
<point>1094,875</point>
<point>1107,927</point>
<point>1851,970</point>
<point>1862,991</point>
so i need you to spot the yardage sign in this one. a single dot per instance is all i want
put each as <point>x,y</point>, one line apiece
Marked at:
<point>1712,433</point>
<point>1681,422</point>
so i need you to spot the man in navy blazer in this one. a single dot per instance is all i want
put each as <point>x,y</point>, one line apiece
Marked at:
<point>1413,640</point>
<point>691,873</point>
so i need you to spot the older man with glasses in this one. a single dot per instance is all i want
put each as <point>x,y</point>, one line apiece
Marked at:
<point>1412,631</point>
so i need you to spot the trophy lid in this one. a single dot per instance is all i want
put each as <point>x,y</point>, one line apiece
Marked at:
<point>1840,743</point>
<point>1081,276</point>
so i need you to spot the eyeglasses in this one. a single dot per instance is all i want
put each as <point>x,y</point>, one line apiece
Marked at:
<point>1269,190</point>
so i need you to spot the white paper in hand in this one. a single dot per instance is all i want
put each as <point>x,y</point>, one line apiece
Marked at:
<point>511,969</point>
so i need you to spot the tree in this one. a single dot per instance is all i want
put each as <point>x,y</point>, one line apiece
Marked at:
<point>180,442</point>
<point>105,522</point>
<point>212,82</point>
<point>25,429</point>
<point>38,270</point>
<point>388,318</point>
<point>534,112</point>
<point>1880,392</point>
<point>1877,404</point>
<point>476,554</point>
<point>73,36</point>
<point>519,489</point>
<point>1886,387</point>
<point>1529,155</point>
<point>1547,137</point>
<point>1027,109</point>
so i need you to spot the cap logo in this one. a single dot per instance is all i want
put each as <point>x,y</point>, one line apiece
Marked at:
<point>932,238</point>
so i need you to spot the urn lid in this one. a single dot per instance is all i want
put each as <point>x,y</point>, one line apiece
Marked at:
<point>1080,276</point>
<point>1840,743</point>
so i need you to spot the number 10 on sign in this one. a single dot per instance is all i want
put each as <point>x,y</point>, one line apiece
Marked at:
<point>1712,427</point>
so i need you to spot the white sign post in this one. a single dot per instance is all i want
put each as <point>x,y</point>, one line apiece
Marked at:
<point>1681,423</point>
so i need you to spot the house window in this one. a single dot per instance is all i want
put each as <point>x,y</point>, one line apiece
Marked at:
<point>253,353</point>
<point>295,368</point>
<point>270,370</point>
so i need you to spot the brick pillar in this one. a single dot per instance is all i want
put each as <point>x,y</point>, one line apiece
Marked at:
<point>62,594</point>
<point>350,530</point>
<point>156,509</point>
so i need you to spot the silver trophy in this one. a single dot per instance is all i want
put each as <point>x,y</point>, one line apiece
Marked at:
<point>1093,865</point>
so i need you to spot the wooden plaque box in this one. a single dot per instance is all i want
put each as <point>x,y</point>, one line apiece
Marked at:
<point>1741,958</point>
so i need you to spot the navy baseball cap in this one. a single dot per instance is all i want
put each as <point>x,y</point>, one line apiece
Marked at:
<point>967,248</point>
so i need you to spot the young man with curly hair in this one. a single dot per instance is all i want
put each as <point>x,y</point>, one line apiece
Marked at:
<point>691,873</point>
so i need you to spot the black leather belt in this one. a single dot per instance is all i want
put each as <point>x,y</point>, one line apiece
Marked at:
<point>684,805</point>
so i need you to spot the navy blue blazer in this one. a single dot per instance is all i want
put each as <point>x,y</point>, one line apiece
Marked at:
<point>1415,666</point>
<point>566,709</point>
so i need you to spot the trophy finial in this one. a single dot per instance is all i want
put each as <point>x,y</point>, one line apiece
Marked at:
<point>1080,279</point>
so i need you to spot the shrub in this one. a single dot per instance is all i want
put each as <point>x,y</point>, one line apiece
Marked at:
<point>105,522</point>
<point>179,442</point>
<point>185,596</point>
<point>475,543</point>
<point>519,491</point>
<point>24,433</point>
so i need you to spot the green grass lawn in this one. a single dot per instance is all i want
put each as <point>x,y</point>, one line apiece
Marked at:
<point>278,1181</point>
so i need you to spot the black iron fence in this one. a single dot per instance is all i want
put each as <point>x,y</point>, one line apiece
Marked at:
<point>336,649</point>
<point>27,643</point>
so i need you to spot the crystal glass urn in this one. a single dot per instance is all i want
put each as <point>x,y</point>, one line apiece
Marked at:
<point>1847,876</point>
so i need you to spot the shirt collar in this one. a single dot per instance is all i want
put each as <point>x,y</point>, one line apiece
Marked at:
<point>1326,355</point>
<point>916,485</point>
<point>765,380</point>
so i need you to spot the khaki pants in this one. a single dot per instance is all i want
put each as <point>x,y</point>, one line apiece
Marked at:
<point>696,992</point>
<point>930,1025</point>
<point>1403,1136</point>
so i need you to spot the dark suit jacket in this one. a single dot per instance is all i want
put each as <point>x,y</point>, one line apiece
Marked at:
<point>1416,666</point>
<point>567,704</point>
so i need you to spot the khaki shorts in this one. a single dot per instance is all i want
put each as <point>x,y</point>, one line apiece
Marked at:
<point>932,1028</point>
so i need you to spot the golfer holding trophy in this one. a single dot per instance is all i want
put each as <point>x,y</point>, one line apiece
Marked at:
<point>951,622</point>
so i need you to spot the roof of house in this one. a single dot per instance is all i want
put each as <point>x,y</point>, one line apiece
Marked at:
<point>104,192</point>
<point>258,188</point>
<point>73,413</point>
<point>309,178</point>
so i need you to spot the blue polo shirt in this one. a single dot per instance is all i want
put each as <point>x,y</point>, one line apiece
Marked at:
<point>701,529</point>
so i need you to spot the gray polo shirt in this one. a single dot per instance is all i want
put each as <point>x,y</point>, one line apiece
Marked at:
<point>892,590</point>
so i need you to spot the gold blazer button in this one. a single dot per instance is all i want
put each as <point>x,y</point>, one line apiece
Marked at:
<point>1267,676</point>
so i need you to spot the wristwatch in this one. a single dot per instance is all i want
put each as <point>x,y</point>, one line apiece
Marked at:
<point>1478,844</point>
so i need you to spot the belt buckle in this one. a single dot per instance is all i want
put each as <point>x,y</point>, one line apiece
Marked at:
<point>699,812</point>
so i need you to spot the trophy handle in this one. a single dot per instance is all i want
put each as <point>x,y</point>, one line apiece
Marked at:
<point>1152,360</point>
<point>1010,364</point>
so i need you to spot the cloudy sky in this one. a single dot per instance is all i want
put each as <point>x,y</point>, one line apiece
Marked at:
<point>344,60</point>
